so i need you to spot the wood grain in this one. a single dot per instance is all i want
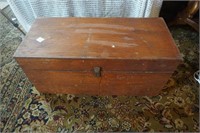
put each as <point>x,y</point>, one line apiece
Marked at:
<point>106,64</point>
<point>131,83</point>
<point>110,83</point>
<point>99,38</point>
<point>136,55</point>
<point>64,82</point>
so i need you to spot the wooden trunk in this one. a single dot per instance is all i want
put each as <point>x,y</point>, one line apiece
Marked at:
<point>99,56</point>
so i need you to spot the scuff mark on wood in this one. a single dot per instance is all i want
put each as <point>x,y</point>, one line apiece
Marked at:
<point>105,54</point>
<point>109,26</point>
<point>128,38</point>
<point>89,35</point>
<point>100,31</point>
<point>109,43</point>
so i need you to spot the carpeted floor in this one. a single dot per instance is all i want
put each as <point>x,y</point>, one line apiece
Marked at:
<point>24,109</point>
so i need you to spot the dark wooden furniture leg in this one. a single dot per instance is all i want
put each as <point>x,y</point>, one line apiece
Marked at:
<point>186,16</point>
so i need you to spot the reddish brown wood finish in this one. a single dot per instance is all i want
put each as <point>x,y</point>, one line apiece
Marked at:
<point>64,82</point>
<point>136,56</point>
<point>130,83</point>
<point>110,83</point>
<point>154,65</point>
<point>146,38</point>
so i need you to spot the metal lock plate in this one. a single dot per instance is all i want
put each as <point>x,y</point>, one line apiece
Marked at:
<point>97,71</point>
